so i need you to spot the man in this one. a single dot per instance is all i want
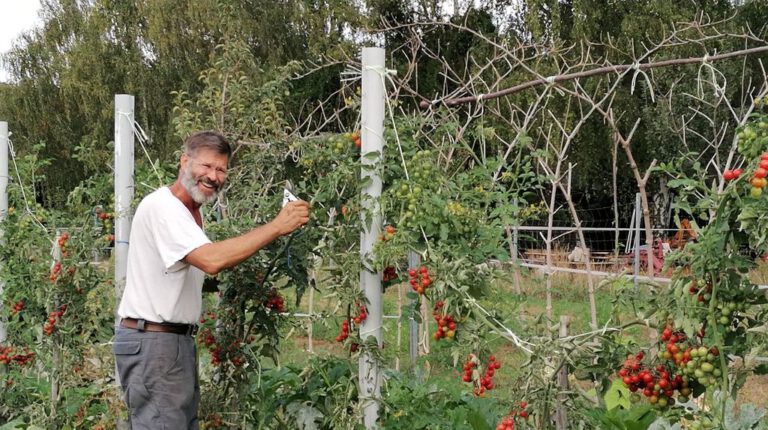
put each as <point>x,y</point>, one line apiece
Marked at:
<point>168,258</point>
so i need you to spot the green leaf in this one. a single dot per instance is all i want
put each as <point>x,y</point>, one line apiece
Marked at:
<point>617,395</point>
<point>477,421</point>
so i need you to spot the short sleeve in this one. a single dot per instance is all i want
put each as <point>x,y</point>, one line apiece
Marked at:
<point>176,235</point>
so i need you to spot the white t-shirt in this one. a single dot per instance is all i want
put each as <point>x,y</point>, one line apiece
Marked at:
<point>160,287</point>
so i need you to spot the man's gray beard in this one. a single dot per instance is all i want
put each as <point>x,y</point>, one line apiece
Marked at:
<point>190,185</point>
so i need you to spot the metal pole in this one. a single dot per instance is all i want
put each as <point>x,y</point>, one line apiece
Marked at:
<point>414,260</point>
<point>638,222</point>
<point>3,206</point>
<point>372,135</point>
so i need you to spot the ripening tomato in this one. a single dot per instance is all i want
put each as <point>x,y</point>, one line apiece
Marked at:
<point>760,172</point>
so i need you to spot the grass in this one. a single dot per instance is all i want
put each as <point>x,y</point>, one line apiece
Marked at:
<point>569,297</point>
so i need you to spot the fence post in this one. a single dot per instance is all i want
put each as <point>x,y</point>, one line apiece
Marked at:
<point>3,206</point>
<point>414,260</point>
<point>372,135</point>
<point>638,225</point>
<point>561,417</point>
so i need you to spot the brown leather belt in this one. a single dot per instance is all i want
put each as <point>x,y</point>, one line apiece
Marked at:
<point>144,325</point>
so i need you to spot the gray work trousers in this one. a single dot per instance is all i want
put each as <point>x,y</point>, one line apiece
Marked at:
<point>158,374</point>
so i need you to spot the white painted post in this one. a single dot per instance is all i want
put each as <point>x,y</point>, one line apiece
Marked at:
<point>3,205</point>
<point>124,142</point>
<point>123,186</point>
<point>372,136</point>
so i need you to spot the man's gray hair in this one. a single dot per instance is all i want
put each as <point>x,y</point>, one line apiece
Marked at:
<point>208,139</point>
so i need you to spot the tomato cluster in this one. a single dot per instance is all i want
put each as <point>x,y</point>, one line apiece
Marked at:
<point>106,221</point>
<point>693,361</point>
<point>355,138</point>
<point>388,234</point>
<point>730,175</point>
<point>275,301</point>
<point>53,318</point>
<point>419,279</point>
<point>484,383</point>
<point>62,242</point>
<point>339,143</point>
<point>757,181</point>
<point>682,363</point>
<point>656,383</point>
<point>55,271</point>
<point>207,316</point>
<point>700,294</point>
<point>17,307</point>
<point>421,169</point>
<point>446,324</point>
<point>729,313</point>
<point>390,274</point>
<point>218,353</point>
<point>508,422</point>
<point>344,331</point>
<point>8,356</point>
<point>361,316</point>
<point>205,337</point>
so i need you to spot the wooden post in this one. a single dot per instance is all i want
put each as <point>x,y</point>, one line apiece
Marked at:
<point>561,417</point>
<point>311,323</point>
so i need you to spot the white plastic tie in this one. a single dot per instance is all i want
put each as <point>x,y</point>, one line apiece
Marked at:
<point>550,79</point>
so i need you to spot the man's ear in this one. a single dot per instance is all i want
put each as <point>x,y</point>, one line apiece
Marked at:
<point>183,161</point>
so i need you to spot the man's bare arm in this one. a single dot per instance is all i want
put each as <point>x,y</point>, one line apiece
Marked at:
<point>215,257</point>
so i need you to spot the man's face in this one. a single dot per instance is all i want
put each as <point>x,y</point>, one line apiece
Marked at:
<point>203,174</point>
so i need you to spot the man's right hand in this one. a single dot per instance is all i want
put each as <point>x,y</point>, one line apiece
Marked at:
<point>291,217</point>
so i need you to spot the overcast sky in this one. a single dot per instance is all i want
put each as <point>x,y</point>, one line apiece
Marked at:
<point>15,17</point>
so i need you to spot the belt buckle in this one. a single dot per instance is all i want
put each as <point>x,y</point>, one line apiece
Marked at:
<point>191,329</point>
